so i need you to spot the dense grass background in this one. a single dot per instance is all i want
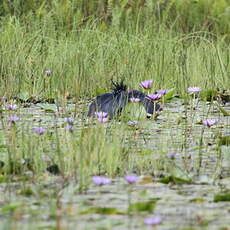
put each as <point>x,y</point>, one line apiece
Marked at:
<point>87,43</point>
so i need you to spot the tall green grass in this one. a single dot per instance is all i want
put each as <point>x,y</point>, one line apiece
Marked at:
<point>84,60</point>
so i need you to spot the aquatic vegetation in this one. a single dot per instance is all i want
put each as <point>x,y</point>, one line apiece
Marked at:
<point>69,128</point>
<point>193,90</point>
<point>39,130</point>
<point>48,72</point>
<point>69,120</point>
<point>154,97</point>
<point>11,107</point>
<point>210,122</point>
<point>154,220</point>
<point>172,155</point>
<point>133,99</point>
<point>146,84</point>
<point>162,91</point>
<point>131,179</point>
<point>13,119</point>
<point>101,180</point>
<point>48,78</point>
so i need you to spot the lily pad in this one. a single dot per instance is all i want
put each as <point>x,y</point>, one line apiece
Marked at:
<point>48,107</point>
<point>102,211</point>
<point>24,96</point>
<point>222,110</point>
<point>148,206</point>
<point>222,197</point>
<point>224,140</point>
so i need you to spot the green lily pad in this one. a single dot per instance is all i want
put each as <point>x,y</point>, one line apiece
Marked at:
<point>24,96</point>
<point>102,211</point>
<point>48,107</point>
<point>148,206</point>
<point>222,110</point>
<point>222,197</point>
<point>224,140</point>
<point>169,95</point>
<point>178,176</point>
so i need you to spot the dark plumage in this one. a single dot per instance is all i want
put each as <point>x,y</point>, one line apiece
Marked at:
<point>113,102</point>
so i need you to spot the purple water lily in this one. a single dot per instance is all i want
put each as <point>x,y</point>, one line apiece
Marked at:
<point>69,120</point>
<point>101,114</point>
<point>147,84</point>
<point>192,90</point>
<point>11,107</point>
<point>48,72</point>
<point>172,155</point>
<point>103,119</point>
<point>132,123</point>
<point>131,179</point>
<point>154,97</point>
<point>39,130</point>
<point>101,180</point>
<point>154,220</point>
<point>210,122</point>
<point>13,119</point>
<point>134,99</point>
<point>69,128</point>
<point>162,91</point>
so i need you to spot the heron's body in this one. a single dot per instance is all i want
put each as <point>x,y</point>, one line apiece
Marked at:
<point>114,102</point>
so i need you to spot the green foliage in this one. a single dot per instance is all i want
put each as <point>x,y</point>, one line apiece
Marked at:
<point>222,197</point>
<point>147,206</point>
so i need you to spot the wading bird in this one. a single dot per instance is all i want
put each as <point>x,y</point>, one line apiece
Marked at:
<point>112,103</point>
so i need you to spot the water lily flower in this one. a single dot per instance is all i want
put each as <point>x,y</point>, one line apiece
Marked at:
<point>101,114</point>
<point>13,119</point>
<point>147,84</point>
<point>132,123</point>
<point>39,130</point>
<point>11,107</point>
<point>154,220</point>
<point>101,180</point>
<point>103,119</point>
<point>69,128</point>
<point>171,155</point>
<point>48,72</point>
<point>131,179</point>
<point>162,91</point>
<point>210,122</point>
<point>134,99</point>
<point>192,90</point>
<point>154,97</point>
<point>69,120</point>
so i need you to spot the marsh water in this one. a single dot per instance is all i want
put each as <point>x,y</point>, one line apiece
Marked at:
<point>181,190</point>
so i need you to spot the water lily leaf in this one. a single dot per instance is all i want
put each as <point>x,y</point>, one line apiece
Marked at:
<point>148,206</point>
<point>222,197</point>
<point>10,207</point>
<point>225,140</point>
<point>102,210</point>
<point>222,110</point>
<point>146,180</point>
<point>48,107</point>
<point>146,151</point>
<point>209,94</point>
<point>169,95</point>
<point>24,96</point>
<point>197,200</point>
<point>180,175</point>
